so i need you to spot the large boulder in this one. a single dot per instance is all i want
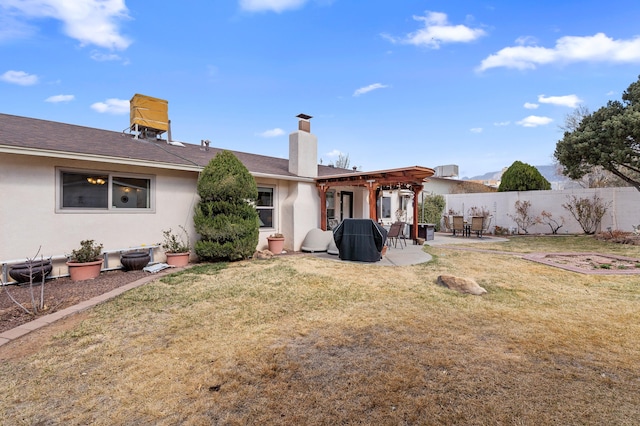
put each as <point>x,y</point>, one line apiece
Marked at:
<point>463,285</point>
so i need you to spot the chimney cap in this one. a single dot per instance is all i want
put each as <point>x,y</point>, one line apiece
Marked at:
<point>304,116</point>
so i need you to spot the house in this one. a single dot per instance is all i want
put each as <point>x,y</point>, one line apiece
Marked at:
<point>63,183</point>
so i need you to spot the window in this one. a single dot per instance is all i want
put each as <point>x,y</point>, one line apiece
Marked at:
<point>386,207</point>
<point>264,205</point>
<point>84,190</point>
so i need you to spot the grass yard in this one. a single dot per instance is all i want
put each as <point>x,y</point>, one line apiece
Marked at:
<point>300,340</point>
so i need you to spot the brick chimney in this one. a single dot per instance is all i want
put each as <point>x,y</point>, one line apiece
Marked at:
<point>303,149</point>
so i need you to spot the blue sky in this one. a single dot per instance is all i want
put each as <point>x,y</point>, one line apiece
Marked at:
<point>390,83</point>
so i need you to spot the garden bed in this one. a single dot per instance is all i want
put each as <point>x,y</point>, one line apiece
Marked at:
<point>59,294</point>
<point>589,263</point>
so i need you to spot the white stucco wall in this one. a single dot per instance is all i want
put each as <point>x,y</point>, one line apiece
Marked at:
<point>29,219</point>
<point>300,212</point>
<point>621,215</point>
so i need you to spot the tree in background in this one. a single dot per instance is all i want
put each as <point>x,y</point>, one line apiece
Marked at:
<point>225,217</point>
<point>608,138</point>
<point>522,177</point>
<point>597,177</point>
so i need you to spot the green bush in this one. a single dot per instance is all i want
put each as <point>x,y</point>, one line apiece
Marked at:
<point>431,209</point>
<point>522,177</point>
<point>225,217</point>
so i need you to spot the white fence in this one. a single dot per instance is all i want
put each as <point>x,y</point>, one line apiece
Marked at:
<point>623,211</point>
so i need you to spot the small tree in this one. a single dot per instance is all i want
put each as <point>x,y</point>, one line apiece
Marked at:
<point>522,177</point>
<point>343,161</point>
<point>548,219</point>
<point>523,217</point>
<point>588,212</point>
<point>225,217</point>
<point>37,301</point>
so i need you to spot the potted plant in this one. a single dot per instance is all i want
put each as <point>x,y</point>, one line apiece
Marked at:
<point>175,247</point>
<point>276,243</point>
<point>85,262</point>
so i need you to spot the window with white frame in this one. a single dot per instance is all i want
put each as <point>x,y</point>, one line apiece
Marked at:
<point>87,190</point>
<point>265,206</point>
<point>385,207</point>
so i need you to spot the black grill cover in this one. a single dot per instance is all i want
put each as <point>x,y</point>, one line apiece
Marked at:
<point>360,239</point>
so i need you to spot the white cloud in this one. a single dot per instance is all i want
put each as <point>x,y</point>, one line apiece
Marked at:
<point>437,30</point>
<point>476,130</point>
<point>60,98</point>
<point>88,21</point>
<point>271,5</point>
<point>102,57</point>
<point>502,123</point>
<point>334,153</point>
<point>112,106</point>
<point>529,105</point>
<point>369,88</point>
<point>596,48</point>
<point>272,133</point>
<point>571,101</point>
<point>534,121</point>
<point>19,77</point>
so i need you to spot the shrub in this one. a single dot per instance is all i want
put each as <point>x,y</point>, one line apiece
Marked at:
<point>523,217</point>
<point>431,209</point>
<point>89,251</point>
<point>174,243</point>
<point>225,217</point>
<point>588,212</point>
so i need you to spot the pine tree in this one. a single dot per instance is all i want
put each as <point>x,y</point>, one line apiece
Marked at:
<point>522,177</point>
<point>225,217</point>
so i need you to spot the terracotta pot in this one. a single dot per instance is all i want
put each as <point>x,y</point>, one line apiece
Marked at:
<point>84,271</point>
<point>177,259</point>
<point>276,244</point>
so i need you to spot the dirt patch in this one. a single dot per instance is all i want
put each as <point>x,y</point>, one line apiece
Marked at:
<point>59,294</point>
<point>589,263</point>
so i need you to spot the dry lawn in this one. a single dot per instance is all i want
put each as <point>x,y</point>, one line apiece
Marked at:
<point>300,340</point>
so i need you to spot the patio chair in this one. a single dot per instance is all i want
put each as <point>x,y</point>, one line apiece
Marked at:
<point>395,233</point>
<point>477,225</point>
<point>458,225</point>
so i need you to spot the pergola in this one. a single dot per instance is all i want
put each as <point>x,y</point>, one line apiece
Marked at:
<point>409,177</point>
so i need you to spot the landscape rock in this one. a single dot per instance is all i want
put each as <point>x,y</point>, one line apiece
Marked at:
<point>463,285</point>
<point>262,254</point>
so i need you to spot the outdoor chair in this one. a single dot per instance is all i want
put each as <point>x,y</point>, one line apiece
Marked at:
<point>477,225</point>
<point>458,225</point>
<point>395,233</point>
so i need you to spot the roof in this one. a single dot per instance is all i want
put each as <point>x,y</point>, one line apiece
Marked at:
<point>23,135</point>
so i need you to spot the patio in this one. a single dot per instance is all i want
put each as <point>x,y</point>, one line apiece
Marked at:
<point>413,254</point>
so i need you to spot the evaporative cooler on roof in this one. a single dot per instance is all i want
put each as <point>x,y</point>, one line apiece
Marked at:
<point>149,116</point>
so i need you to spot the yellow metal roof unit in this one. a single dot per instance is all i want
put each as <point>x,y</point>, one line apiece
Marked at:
<point>149,116</point>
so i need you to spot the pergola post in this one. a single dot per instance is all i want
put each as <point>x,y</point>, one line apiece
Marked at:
<point>416,190</point>
<point>322,189</point>
<point>373,209</point>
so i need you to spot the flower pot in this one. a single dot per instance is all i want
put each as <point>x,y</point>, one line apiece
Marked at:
<point>134,260</point>
<point>39,268</point>
<point>276,244</point>
<point>84,271</point>
<point>178,259</point>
